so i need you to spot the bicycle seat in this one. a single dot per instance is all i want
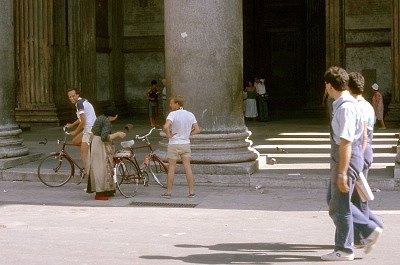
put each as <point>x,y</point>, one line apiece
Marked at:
<point>123,153</point>
<point>127,144</point>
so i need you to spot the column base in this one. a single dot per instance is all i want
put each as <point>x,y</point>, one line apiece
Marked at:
<point>26,117</point>
<point>6,163</point>
<point>236,174</point>
<point>393,114</point>
<point>11,147</point>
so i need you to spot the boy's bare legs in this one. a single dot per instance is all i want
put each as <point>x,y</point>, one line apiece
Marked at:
<point>84,149</point>
<point>171,175</point>
<point>85,155</point>
<point>189,173</point>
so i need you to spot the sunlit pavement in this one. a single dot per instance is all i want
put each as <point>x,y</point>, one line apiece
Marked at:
<point>259,224</point>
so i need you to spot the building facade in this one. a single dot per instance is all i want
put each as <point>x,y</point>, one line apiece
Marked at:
<point>112,49</point>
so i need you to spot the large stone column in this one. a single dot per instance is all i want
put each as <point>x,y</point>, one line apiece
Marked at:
<point>394,106</point>
<point>34,57</point>
<point>10,142</point>
<point>334,33</point>
<point>204,63</point>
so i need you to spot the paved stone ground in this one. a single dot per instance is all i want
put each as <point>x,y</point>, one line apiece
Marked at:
<point>222,225</point>
<point>300,147</point>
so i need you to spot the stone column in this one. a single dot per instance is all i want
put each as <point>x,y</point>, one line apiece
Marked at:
<point>204,64</point>
<point>334,33</point>
<point>394,106</point>
<point>10,141</point>
<point>34,57</point>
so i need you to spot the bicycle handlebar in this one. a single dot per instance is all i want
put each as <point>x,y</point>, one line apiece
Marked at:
<point>146,135</point>
<point>65,130</point>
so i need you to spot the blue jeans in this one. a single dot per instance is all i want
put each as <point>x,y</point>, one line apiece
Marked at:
<point>362,227</point>
<point>345,215</point>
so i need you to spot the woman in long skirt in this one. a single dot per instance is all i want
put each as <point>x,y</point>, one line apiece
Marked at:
<point>101,155</point>
<point>251,102</point>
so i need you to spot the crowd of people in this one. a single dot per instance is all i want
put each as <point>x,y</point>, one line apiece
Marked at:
<point>352,126</point>
<point>95,137</point>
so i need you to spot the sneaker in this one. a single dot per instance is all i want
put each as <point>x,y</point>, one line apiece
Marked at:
<point>192,195</point>
<point>166,196</point>
<point>338,256</point>
<point>370,242</point>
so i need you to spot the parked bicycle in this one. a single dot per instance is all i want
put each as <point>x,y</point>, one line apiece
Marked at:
<point>58,168</point>
<point>129,175</point>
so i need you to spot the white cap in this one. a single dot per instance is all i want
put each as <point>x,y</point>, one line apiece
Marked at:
<point>375,86</point>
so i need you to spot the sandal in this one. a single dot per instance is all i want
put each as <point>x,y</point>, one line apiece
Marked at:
<point>192,195</point>
<point>166,196</point>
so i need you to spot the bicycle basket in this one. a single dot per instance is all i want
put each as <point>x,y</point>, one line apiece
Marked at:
<point>123,153</point>
<point>127,144</point>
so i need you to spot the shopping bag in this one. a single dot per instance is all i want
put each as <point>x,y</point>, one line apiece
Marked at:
<point>363,188</point>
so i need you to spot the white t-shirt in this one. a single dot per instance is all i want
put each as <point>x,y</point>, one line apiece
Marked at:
<point>84,107</point>
<point>181,126</point>
<point>368,112</point>
<point>347,121</point>
<point>260,87</point>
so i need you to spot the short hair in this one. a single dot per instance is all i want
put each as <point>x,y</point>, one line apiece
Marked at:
<point>110,111</point>
<point>337,77</point>
<point>356,83</point>
<point>153,82</point>
<point>178,99</point>
<point>77,91</point>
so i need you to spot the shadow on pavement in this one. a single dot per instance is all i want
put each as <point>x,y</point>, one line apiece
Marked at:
<point>250,253</point>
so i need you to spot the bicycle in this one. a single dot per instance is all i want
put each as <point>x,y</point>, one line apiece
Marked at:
<point>58,168</point>
<point>129,175</point>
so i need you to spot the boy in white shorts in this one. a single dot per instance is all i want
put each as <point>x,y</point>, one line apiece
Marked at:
<point>179,125</point>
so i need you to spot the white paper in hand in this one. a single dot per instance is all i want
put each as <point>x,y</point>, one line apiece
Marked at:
<point>363,188</point>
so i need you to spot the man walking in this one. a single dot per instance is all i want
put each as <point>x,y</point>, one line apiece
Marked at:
<point>84,122</point>
<point>347,162</point>
<point>356,88</point>
<point>180,124</point>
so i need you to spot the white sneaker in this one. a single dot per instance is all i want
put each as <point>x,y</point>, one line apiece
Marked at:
<point>338,256</point>
<point>372,239</point>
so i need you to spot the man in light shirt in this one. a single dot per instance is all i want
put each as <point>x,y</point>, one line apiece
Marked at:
<point>84,122</point>
<point>180,124</point>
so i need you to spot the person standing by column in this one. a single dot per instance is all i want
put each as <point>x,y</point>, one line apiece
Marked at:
<point>356,88</point>
<point>86,117</point>
<point>377,103</point>
<point>180,124</point>
<point>164,94</point>
<point>347,161</point>
<point>262,100</point>
<point>152,97</point>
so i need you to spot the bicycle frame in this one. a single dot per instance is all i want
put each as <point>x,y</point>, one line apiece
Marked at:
<point>63,152</point>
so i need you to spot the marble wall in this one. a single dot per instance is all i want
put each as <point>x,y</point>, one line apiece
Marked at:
<point>368,41</point>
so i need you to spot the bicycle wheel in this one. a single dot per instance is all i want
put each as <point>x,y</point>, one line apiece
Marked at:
<point>55,170</point>
<point>128,177</point>
<point>158,171</point>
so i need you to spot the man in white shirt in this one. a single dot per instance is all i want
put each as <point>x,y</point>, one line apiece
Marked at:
<point>84,122</point>
<point>262,99</point>
<point>164,93</point>
<point>180,124</point>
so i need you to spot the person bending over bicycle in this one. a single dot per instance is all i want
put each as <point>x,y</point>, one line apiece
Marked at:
<point>86,117</point>
<point>101,149</point>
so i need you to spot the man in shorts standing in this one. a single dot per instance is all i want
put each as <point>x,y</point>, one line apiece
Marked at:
<point>180,124</point>
<point>84,122</point>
